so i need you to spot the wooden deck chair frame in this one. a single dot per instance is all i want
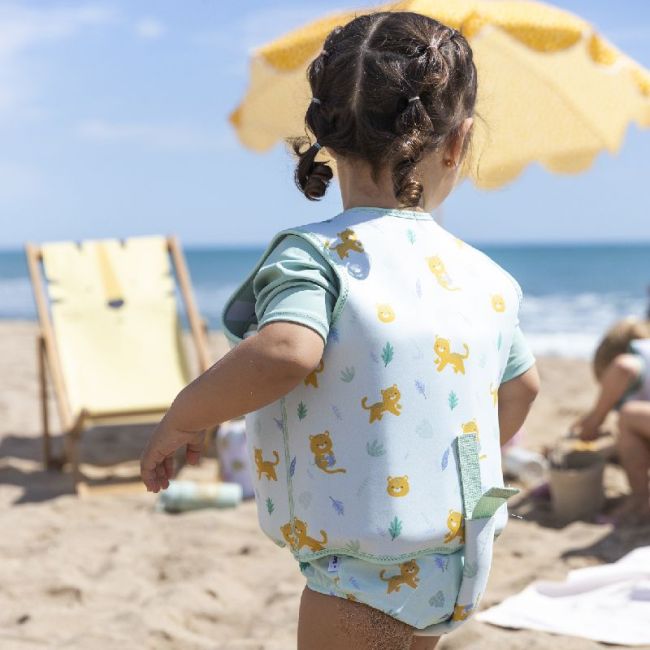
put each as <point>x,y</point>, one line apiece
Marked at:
<point>48,359</point>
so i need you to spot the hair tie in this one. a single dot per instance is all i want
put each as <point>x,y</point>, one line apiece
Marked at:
<point>414,99</point>
<point>315,100</point>
<point>317,145</point>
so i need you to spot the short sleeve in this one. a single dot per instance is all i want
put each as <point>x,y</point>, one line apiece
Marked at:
<point>295,283</point>
<point>520,357</point>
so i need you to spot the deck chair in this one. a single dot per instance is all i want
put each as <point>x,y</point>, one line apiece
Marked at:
<point>110,333</point>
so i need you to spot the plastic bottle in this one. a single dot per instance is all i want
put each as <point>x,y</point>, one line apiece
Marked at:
<point>192,495</point>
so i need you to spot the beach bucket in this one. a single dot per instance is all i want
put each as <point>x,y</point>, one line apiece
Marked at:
<point>576,483</point>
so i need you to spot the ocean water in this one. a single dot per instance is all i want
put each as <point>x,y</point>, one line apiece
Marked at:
<point>571,293</point>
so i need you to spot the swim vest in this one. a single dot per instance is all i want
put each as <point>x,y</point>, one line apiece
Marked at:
<point>384,451</point>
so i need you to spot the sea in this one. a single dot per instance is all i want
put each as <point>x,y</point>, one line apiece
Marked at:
<point>572,293</point>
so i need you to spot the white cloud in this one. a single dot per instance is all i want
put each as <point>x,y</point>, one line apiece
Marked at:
<point>150,29</point>
<point>172,137</point>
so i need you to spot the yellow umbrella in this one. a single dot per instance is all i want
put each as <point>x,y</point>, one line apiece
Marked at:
<point>550,88</point>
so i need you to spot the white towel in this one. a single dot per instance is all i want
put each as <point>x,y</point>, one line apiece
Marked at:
<point>608,603</point>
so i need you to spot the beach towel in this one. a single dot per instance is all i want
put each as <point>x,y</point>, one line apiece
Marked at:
<point>608,603</point>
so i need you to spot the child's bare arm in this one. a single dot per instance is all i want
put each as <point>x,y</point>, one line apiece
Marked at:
<point>616,379</point>
<point>515,399</point>
<point>260,370</point>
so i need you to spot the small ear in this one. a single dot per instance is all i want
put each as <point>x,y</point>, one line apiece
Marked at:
<point>406,477</point>
<point>326,433</point>
<point>390,478</point>
<point>311,437</point>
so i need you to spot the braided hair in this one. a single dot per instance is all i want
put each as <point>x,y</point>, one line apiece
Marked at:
<point>387,88</point>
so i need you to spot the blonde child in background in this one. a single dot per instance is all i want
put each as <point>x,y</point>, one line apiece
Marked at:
<point>379,358</point>
<point>622,368</point>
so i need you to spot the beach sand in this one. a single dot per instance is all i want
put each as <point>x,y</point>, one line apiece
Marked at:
<point>108,571</point>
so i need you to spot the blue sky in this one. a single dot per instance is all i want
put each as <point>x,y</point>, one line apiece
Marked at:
<point>113,122</point>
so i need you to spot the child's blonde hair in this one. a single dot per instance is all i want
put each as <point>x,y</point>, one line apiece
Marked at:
<point>617,340</point>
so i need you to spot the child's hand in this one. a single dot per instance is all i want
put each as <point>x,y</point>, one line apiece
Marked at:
<point>587,427</point>
<point>157,460</point>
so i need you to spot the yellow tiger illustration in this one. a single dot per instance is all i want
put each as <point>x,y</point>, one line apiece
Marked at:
<point>385,313</point>
<point>288,534</point>
<point>437,267</point>
<point>398,486</point>
<point>498,303</point>
<point>349,242</point>
<point>302,539</point>
<point>471,427</point>
<point>408,576</point>
<point>461,612</point>
<point>321,447</point>
<point>389,403</point>
<point>444,356</point>
<point>311,379</point>
<point>456,527</point>
<point>266,466</point>
<point>495,394</point>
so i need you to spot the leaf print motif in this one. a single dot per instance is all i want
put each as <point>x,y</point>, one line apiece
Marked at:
<point>411,235</point>
<point>445,459</point>
<point>375,448</point>
<point>387,354</point>
<point>355,583</point>
<point>337,412</point>
<point>421,388</point>
<point>424,429</point>
<point>302,411</point>
<point>269,505</point>
<point>353,546</point>
<point>347,375</point>
<point>338,506</point>
<point>470,569</point>
<point>333,335</point>
<point>292,467</point>
<point>442,562</point>
<point>278,422</point>
<point>437,600</point>
<point>395,528</point>
<point>363,486</point>
<point>453,400</point>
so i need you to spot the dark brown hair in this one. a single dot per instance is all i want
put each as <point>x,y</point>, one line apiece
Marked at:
<point>387,88</point>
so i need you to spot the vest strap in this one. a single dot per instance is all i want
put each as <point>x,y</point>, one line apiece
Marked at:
<point>476,504</point>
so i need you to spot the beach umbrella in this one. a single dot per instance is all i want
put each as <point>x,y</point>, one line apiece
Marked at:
<point>551,89</point>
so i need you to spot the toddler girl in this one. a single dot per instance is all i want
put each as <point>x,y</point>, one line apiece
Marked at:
<point>622,367</point>
<point>378,357</point>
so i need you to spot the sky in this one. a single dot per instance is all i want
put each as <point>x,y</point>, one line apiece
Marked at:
<point>113,122</point>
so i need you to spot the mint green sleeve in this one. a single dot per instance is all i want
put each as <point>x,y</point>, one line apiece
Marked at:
<point>295,283</point>
<point>520,357</point>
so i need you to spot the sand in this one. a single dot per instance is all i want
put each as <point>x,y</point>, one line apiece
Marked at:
<point>108,571</point>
